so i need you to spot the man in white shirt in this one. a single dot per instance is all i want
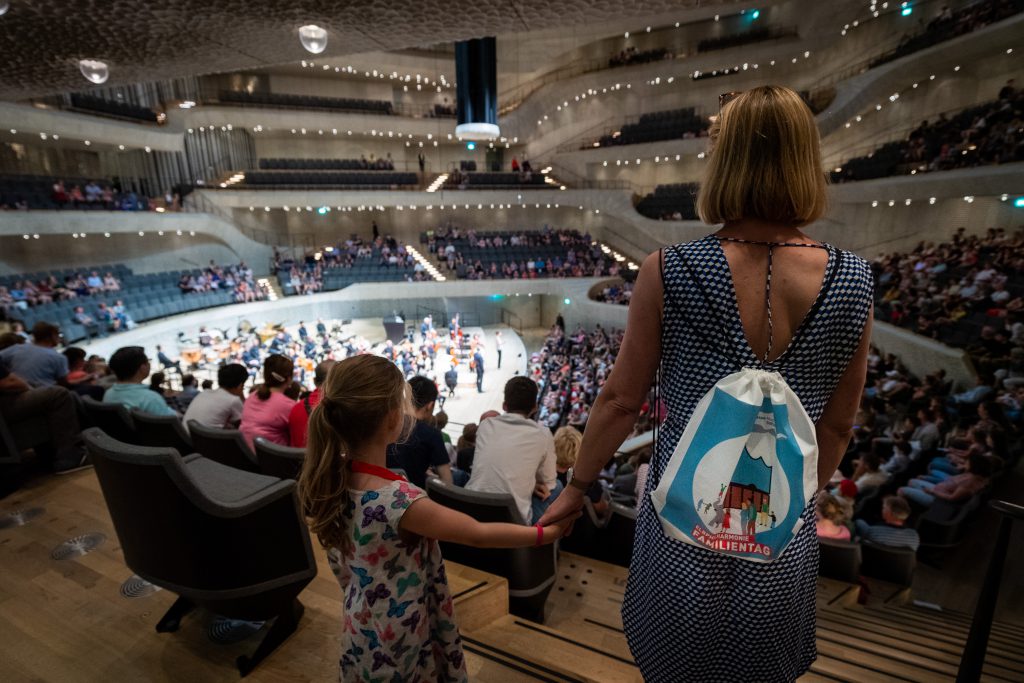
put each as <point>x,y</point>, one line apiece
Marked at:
<point>515,455</point>
<point>222,407</point>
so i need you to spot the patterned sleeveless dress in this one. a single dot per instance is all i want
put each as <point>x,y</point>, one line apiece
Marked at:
<point>695,616</point>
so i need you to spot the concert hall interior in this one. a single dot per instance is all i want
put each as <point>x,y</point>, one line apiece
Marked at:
<point>283,284</point>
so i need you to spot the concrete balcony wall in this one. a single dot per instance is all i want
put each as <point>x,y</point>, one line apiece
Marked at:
<point>31,121</point>
<point>214,239</point>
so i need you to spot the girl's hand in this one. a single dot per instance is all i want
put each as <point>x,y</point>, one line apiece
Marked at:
<point>555,530</point>
<point>567,506</point>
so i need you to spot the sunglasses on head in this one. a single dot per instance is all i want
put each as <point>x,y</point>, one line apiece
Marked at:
<point>727,97</point>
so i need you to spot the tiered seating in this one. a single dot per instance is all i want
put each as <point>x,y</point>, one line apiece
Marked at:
<point>326,164</point>
<point>949,25</point>
<point>977,136</point>
<point>668,200</point>
<point>362,179</point>
<point>37,192</point>
<point>146,297</point>
<point>122,110</point>
<point>631,56</point>
<point>367,269</point>
<point>305,102</point>
<point>661,125</point>
<point>492,180</point>
<point>754,35</point>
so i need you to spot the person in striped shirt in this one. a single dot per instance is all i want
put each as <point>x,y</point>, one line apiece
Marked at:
<point>892,533</point>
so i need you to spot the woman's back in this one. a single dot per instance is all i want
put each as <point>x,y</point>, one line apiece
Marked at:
<point>820,303</point>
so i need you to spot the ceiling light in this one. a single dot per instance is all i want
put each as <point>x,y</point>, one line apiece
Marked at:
<point>4,6</point>
<point>313,38</point>
<point>94,70</point>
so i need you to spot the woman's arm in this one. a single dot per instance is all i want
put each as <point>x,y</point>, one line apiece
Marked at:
<point>432,520</point>
<point>835,426</point>
<point>614,413</point>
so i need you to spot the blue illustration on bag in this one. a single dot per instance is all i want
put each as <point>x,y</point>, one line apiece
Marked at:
<point>743,471</point>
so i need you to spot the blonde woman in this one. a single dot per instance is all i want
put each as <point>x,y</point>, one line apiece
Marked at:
<point>758,293</point>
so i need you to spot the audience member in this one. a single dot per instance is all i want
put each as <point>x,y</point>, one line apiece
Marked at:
<point>21,403</point>
<point>423,449</point>
<point>189,390</point>
<point>567,447</point>
<point>515,455</point>
<point>892,533</point>
<point>131,367</point>
<point>39,364</point>
<point>267,410</point>
<point>831,518</point>
<point>298,419</point>
<point>220,408</point>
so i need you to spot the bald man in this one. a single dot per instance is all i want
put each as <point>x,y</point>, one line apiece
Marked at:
<point>298,419</point>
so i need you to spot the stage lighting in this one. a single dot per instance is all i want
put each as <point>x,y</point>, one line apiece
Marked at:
<point>94,70</point>
<point>313,38</point>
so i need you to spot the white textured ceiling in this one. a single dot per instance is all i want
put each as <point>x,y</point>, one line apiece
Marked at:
<point>41,41</point>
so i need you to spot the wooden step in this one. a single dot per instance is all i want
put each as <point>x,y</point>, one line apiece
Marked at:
<point>561,655</point>
<point>480,598</point>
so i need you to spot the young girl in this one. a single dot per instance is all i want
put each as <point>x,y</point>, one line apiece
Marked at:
<point>381,532</point>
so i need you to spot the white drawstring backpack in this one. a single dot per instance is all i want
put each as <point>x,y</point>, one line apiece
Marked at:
<point>745,467</point>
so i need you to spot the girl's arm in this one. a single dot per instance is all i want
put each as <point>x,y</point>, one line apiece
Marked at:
<point>426,518</point>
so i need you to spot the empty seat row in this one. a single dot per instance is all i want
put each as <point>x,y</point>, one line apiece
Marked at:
<point>305,101</point>
<point>336,178</point>
<point>113,108</point>
<point>327,164</point>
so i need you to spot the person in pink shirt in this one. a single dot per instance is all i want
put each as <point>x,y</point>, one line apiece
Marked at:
<point>266,411</point>
<point>831,519</point>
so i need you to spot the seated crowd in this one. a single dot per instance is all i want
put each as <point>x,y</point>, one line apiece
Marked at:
<point>478,255</point>
<point>982,135</point>
<point>237,279</point>
<point>631,56</point>
<point>947,24</point>
<point>616,293</point>
<point>967,292</point>
<point>347,262</point>
<point>21,193</point>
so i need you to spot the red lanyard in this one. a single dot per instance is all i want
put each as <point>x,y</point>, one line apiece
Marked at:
<point>375,470</point>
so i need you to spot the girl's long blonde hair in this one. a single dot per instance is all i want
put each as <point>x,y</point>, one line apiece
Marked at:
<point>356,398</point>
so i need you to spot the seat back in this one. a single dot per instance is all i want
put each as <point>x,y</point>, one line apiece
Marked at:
<point>278,461</point>
<point>530,571</point>
<point>113,418</point>
<point>587,537</point>
<point>226,446</point>
<point>839,560</point>
<point>895,565</point>
<point>619,535</point>
<point>162,430</point>
<point>177,534</point>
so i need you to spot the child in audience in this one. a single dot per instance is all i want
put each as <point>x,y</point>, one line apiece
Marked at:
<point>831,518</point>
<point>381,532</point>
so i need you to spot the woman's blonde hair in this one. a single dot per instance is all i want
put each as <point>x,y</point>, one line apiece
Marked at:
<point>356,398</point>
<point>765,161</point>
<point>567,446</point>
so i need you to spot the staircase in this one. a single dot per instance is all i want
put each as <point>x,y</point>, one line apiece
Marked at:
<point>583,639</point>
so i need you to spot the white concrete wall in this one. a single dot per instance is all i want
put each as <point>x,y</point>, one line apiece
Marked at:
<point>214,238</point>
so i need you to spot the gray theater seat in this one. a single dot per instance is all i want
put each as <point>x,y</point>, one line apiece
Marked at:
<point>162,430</point>
<point>113,418</point>
<point>227,540</point>
<point>839,560</point>
<point>895,565</point>
<point>530,571</point>
<point>277,460</point>
<point>226,446</point>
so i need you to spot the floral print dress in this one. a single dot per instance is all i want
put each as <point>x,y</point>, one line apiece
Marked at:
<point>399,624</point>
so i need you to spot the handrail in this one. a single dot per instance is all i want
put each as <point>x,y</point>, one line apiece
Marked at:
<point>973,659</point>
<point>512,320</point>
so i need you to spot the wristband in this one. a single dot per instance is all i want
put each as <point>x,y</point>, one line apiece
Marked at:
<point>540,535</point>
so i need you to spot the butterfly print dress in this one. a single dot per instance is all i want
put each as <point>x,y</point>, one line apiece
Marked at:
<point>399,623</point>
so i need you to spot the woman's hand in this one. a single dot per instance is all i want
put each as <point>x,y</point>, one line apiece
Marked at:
<point>566,506</point>
<point>560,528</point>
